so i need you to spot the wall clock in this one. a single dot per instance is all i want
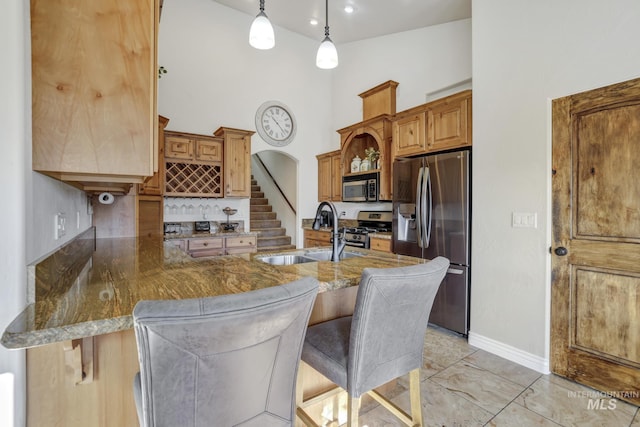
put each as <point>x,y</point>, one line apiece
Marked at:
<point>275,123</point>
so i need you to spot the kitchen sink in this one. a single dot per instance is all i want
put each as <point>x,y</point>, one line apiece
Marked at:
<point>287,259</point>
<point>326,255</point>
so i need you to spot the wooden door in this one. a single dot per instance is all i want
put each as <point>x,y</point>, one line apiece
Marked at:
<point>237,161</point>
<point>324,177</point>
<point>595,296</point>
<point>336,176</point>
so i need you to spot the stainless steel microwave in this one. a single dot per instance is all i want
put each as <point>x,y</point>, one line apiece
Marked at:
<point>360,188</point>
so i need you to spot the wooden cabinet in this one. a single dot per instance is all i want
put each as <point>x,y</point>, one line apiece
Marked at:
<point>193,165</point>
<point>380,244</point>
<point>409,134</point>
<point>313,238</point>
<point>154,185</point>
<point>436,126</point>
<point>207,246</point>
<point>449,122</point>
<point>330,176</point>
<point>373,133</point>
<point>237,161</point>
<point>192,147</point>
<point>221,245</point>
<point>240,245</point>
<point>149,215</point>
<point>94,91</point>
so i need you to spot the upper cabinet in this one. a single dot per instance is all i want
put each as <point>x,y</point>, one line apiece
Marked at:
<point>193,165</point>
<point>409,134</point>
<point>439,125</point>
<point>449,122</point>
<point>330,176</point>
<point>94,74</point>
<point>237,161</point>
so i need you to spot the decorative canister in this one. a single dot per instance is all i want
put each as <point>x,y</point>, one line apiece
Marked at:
<point>364,165</point>
<point>355,164</point>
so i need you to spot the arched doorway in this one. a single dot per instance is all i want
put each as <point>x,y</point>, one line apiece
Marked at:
<point>276,172</point>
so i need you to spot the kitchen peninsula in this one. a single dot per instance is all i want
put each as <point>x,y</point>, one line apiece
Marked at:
<point>82,354</point>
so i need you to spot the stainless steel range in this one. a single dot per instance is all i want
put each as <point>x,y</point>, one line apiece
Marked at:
<point>368,222</point>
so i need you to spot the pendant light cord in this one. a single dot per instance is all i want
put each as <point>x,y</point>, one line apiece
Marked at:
<point>261,5</point>
<point>326,18</point>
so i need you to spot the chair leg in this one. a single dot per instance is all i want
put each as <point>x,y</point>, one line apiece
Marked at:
<point>353,408</point>
<point>414,392</point>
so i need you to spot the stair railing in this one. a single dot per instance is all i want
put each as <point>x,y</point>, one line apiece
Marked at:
<point>275,183</point>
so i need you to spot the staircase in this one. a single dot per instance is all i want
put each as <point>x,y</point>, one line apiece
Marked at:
<point>271,237</point>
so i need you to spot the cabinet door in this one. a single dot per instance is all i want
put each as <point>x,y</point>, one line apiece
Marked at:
<point>209,150</point>
<point>449,125</point>
<point>149,215</point>
<point>178,147</point>
<point>378,244</point>
<point>409,135</point>
<point>325,183</point>
<point>93,89</point>
<point>336,177</point>
<point>237,161</point>
<point>154,185</point>
<point>313,238</point>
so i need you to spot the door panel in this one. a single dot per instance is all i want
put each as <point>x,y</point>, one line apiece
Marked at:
<point>595,295</point>
<point>451,305</point>
<point>450,213</point>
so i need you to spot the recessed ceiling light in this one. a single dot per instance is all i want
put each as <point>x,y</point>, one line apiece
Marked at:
<point>313,21</point>
<point>348,8</point>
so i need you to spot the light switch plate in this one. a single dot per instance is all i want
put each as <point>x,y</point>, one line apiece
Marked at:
<point>524,220</point>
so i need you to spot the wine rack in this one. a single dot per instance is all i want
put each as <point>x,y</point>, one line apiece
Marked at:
<point>193,179</point>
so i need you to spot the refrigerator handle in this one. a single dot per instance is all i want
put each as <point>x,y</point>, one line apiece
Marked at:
<point>419,207</point>
<point>428,210</point>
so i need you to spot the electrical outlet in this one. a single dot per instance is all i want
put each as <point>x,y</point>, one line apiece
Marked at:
<point>77,220</point>
<point>60,225</point>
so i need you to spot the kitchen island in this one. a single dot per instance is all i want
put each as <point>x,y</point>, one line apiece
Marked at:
<point>82,354</point>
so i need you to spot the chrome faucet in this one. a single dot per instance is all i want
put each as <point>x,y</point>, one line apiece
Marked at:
<point>338,240</point>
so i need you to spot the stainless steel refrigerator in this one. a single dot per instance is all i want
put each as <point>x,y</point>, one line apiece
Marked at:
<point>431,217</point>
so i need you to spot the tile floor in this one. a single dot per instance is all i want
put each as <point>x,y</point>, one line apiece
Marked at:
<point>465,386</point>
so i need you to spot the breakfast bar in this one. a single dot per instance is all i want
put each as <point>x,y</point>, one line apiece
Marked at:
<point>81,350</point>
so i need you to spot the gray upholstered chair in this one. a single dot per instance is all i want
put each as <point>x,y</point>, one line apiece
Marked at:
<point>383,340</point>
<point>230,360</point>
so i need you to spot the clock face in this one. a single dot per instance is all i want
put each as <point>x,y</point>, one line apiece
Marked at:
<point>275,124</point>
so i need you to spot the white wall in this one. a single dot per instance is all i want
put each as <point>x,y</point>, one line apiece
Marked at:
<point>216,79</point>
<point>421,61</point>
<point>30,200</point>
<point>12,213</point>
<point>524,54</point>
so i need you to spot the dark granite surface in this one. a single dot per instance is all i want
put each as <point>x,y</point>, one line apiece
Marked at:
<point>100,298</point>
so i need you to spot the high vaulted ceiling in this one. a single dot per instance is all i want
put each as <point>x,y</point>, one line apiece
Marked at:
<point>370,18</point>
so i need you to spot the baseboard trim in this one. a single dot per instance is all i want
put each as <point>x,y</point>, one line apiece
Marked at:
<point>531,361</point>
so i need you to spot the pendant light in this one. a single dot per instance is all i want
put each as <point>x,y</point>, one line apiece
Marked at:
<point>327,56</point>
<point>261,32</point>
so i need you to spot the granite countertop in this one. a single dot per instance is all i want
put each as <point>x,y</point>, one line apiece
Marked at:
<point>100,296</point>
